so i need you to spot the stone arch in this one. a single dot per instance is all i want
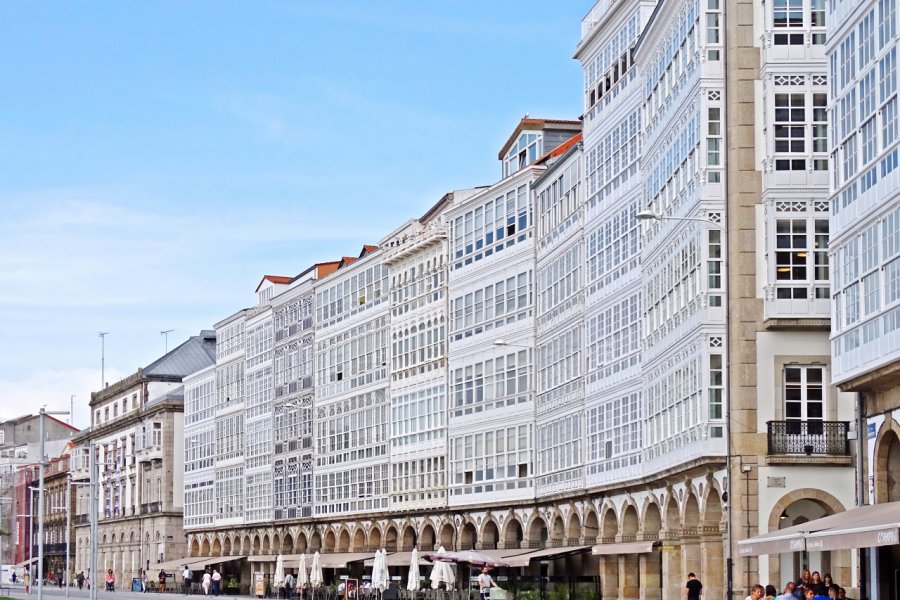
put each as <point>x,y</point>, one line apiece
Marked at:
<point>537,532</point>
<point>315,542</point>
<point>329,541</point>
<point>490,534</point>
<point>204,547</point>
<point>131,537</point>
<point>887,463</point>
<point>266,544</point>
<point>104,539</point>
<point>591,527</point>
<point>468,536</point>
<point>786,507</point>
<point>390,539</point>
<point>672,523</point>
<point>359,540</point>
<point>301,543</point>
<point>247,547</point>
<point>276,544</point>
<point>195,547</point>
<point>630,523</point>
<point>344,541</point>
<point>557,531</point>
<point>512,533</point>
<point>287,545</point>
<point>374,538</point>
<point>712,510</point>
<point>573,531</point>
<point>610,526</point>
<point>226,547</point>
<point>651,524</point>
<point>216,547</point>
<point>448,536</point>
<point>427,538</point>
<point>691,515</point>
<point>257,544</point>
<point>409,538</point>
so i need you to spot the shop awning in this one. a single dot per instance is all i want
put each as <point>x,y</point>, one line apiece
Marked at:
<point>861,527</point>
<point>200,563</point>
<point>263,558</point>
<point>398,559</point>
<point>623,548</point>
<point>172,565</point>
<point>522,560</point>
<point>26,562</point>
<point>340,560</point>
<point>877,525</point>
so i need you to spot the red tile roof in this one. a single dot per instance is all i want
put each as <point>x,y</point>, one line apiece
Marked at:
<point>280,279</point>
<point>561,149</point>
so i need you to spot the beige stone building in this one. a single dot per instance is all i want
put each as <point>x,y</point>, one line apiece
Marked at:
<point>137,434</point>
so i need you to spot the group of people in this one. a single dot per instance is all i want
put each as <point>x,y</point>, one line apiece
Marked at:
<point>810,586</point>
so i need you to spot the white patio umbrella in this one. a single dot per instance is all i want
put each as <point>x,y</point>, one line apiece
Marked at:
<point>278,578</point>
<point>441,572</point>
<point>382,582</point>
<point>302,576</point>
<point>412,581</point>
<point>315,574</point>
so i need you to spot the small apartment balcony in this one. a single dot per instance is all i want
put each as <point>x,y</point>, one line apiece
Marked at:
<point>150,508</point>
<point>432,234</point>
<point>811,441</point>
<point>149,453</point>
<point>799,306</point>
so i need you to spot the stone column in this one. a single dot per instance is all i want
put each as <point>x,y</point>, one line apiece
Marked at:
<point>690,558</point>
<point>712,554</point>
<point>609,576</point>
<point>629,577</point>
<point>673,578</point>
<point>651,582</point>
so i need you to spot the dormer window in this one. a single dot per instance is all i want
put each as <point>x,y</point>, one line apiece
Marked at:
<point>524,152</point>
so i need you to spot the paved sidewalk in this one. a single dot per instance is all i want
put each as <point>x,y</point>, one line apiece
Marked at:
<point>56,593</point>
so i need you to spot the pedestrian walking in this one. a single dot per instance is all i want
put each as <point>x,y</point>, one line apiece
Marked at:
<point>693,589</point>
<point>186,579</point>
<point>161,578</point>
<point>216,583</point>
<point>206,582</point>
<point>485,583</point>
<point>288,586</point>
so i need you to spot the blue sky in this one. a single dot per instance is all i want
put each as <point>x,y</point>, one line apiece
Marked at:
<point>159,158</point>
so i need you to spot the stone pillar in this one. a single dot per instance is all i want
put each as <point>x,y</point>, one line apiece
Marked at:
<point>651,581</point>
<point>712,554</point>
<point>630,580</point>
<point>609,576</point>
<point>673,578</point>
<point>691,560</point>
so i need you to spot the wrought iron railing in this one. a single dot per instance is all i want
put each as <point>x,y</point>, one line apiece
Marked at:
<point>809,437</point>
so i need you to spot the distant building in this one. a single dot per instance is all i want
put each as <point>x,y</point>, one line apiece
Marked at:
<point>137,433</point>
<point>20,446</point>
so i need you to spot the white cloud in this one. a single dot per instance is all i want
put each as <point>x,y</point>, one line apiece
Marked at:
<point>54,389</point>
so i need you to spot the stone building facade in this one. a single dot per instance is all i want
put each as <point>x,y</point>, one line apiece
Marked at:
<point>137,436</point>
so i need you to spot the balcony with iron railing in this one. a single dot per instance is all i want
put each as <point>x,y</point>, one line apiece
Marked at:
<point>807,441</point>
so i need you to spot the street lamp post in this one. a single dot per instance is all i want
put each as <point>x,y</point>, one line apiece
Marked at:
<point>42,462</point>
<point>649,215</point>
